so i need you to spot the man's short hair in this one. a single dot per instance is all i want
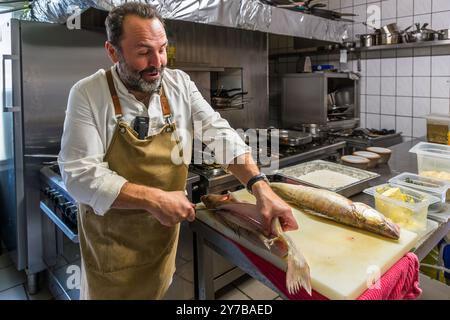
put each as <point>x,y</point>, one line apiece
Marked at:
<point>114,21</point>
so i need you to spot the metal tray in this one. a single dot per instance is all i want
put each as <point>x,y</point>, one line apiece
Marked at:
<point>291,174</point>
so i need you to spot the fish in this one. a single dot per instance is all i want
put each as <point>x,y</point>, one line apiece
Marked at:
<point>246,216</point>
<point>333,206</point>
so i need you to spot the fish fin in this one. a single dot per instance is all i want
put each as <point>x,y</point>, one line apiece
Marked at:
<point>297,274</point>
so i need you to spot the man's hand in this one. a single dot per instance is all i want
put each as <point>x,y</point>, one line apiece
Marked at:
<point>172,207</point>
<point>271,206</point>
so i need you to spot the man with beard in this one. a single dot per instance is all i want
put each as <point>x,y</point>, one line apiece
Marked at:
<point>131,188</point>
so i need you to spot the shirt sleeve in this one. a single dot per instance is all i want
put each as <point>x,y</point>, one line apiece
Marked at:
<point>214,131</point>
<point>86,176</point>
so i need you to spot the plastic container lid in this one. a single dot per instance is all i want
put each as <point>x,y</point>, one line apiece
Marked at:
<point>367,154</point>
<point>432,150</point>
<point>438,117</point>
<point>432,186</point>
<point>355,159</point>
<point>379,150</point>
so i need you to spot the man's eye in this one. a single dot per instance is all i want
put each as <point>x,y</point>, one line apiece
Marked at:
<point>143,53</point>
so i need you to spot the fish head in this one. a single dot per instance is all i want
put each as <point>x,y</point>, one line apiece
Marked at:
<point>212,201</point>
<point>377,221</point>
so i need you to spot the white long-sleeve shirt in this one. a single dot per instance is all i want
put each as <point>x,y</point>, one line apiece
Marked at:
<point>90,124</point>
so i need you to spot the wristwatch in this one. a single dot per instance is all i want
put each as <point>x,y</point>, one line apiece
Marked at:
<point>255,179</point>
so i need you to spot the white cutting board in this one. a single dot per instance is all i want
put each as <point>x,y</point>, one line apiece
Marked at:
<point>343,260</point>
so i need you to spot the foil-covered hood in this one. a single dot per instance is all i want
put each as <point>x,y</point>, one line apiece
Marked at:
<point>242,14</point>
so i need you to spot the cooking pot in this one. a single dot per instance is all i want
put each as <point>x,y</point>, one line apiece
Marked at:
<point>388,38</point>
<point>367,40</point>
<point>391,28</point>
<point>444,34</point>
<point>421,34</point>
<point>343,98</point>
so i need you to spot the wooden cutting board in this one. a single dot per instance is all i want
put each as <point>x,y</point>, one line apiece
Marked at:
<point>344,261</point>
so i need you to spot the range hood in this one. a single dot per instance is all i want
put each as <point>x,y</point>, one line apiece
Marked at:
<point>242,14</point>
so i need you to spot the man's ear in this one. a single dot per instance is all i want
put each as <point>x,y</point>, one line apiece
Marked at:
<point>112,52</point>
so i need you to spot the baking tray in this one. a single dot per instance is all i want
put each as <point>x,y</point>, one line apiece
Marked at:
<point>291,174</point>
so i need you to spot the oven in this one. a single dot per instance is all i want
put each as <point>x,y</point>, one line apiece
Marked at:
<point>61,253</point>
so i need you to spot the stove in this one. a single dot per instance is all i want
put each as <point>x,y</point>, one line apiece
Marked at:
<point>213,179</point>
<point>360,138</point>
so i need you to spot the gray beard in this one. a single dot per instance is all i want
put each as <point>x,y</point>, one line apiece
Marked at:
<point>133,79</point>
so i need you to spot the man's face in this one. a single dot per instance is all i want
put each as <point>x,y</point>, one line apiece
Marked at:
<point>142,55</point>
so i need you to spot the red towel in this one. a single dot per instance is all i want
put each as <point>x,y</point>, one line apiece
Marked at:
<point>401,281</point>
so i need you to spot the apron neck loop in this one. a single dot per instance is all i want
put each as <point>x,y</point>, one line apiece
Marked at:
<point>114,96</point>
<point>165,106</point>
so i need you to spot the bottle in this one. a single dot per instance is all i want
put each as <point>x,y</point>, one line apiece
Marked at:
<point>171,50</point>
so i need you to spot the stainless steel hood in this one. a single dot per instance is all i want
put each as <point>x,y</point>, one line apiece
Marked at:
<point>242,14</point>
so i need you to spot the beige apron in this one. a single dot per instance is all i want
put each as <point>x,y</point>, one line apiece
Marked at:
<point>128,254</point>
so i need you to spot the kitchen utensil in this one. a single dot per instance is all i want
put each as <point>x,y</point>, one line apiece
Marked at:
<point>343,97</point>
<point>388,38</point>
<point>391,28</point>
<point>294,173</point>
<point>444,34</point>
<point>421,34</point>
<point>367,40</point>
<point>373,157</point>
<point>385,154</point>
<point>291,138</point>
<point>349,253</point>
<point>355,162</point>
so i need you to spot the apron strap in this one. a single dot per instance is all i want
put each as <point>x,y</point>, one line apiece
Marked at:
<point>165,105</point>
<point>114,96</point>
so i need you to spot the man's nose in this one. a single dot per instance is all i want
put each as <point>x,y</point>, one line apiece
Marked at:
<point>154,61</point>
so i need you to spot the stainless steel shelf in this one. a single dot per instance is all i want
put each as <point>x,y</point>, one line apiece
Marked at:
<point>435,43</point>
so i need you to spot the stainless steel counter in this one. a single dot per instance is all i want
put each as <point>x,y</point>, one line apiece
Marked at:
<point>207,239</point>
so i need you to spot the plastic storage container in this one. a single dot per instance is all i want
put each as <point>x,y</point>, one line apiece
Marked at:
<point>438,128</point>
<point>433,160</point>
<point>409,213</point>
<point>435,187</point>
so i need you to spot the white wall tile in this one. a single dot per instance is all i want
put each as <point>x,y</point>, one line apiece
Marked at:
<point>422,86</point>
<point>422,18</point>
<point>373,104</point>
<point>404,67</point>
<point>373,121</point>
<point>388,86</point>
<point>362,103</point>
<point>389,9</point>
<point>440,65</point>
<point>362,85</point>
<point>421,107</point>
<point>362,119</point>
<point>404,8</point>
<point>405,22</point>
<point>422,6</point>
<point>422,66</point>
<point>404,125</point>
<point>388,67</point>
<point>373,85</point>
<point>419,127</point>
<point>334,4</point>
<point>373,67</point>
<point>361,14</point>
<point>404,106</point>
<point>405,86</point>
<point>358,2</point>
<point>441,20</point>
<point>346,3</point>
<point>440,87</point>
<point>387,122</point>
<point>441,5</point>
<point>439,105</point>
<point>387,105</point>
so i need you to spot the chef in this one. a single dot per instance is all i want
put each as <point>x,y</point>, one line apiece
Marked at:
<point>131,187</point>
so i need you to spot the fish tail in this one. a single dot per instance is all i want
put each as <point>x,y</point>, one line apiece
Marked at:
<point>297,274</point>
